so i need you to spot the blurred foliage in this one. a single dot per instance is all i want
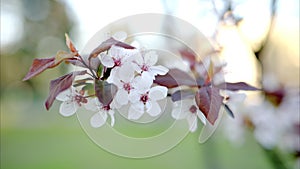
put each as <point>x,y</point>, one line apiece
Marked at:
<point>33,138</point>
<point>44,24</point>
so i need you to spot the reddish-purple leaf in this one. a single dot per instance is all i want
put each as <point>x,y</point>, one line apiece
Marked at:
<point>209,102</point>
<point>70,44</point>
<point>182,94</point>
<point>175,78</point>
<point>38,66</point>
<point>107,45</point>
<point>236,86</point>
<point>189,56</point>
<point>60,84</point>
<point>41,64</point>
<point>105,92</point>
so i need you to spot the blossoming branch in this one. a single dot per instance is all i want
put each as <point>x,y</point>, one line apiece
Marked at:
<point>117,74</point>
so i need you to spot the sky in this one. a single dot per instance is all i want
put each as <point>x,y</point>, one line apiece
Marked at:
<point>91,15</point>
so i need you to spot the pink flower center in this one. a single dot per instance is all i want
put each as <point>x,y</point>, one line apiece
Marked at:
<point>107,107</point>
<point>193,109</point>
<point>145,68</point>
<point>127,86</point>
<point>144,98</point>
<point>80,99</point>
<point>117,62</point>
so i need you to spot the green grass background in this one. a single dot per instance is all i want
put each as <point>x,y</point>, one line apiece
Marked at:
<point>33,138</point>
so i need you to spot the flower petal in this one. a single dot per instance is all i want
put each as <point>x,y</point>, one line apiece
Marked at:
<point>149,75</point>
<point>155,109</point>
<point>106,60</point>
<point>122,97</point>
<point>192,121</point>
<point>115,51</point>
<point>134,96</point>
<point>68,108</point>
<point>98,119</point>
<point>138,59</point>
<point>158,92</point>
<point>113,77</point>
<point>150,58</point>
<point>134,114</point>
<point>115,105</point>
<point>159,70</point>
<point>142,83</point>
<point>93,104</point>
<point>201,117</point>
<point>138,106</point>
<point>65,95</point>
<point>112,117</point>
<point>148,106</point>
<point>126,73</point>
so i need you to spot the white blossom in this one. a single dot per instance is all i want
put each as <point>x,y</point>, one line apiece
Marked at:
<point>125,85</point>
<point>116,58</point>
<point>100,117</point>
<point>71,101</point>
<point>187,109</point>
<point>144,99</point>
<point>145,63</point>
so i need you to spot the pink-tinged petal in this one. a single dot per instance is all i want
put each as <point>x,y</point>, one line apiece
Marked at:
<point>134,96</point>
<point>122,97</point>
<point>115,51</point>
<point>192,121</point>
<point>65,95</point>
<point>126,73</point>
<point>113,77</point>
<point>128,55</point>
<point>106,60</point>
<point>120,36</point>
<point>98,119</point>
<point>201,117</point>
<point>142,83</point>
<point>235,97</point>
<point>134,114</point>
<point>148,106</point>
<point>136,67</point>
<point>138,106</point>
<point>155,109</point>
<point>93,105</point>
<point>112,117</point>
<point>158,92</point>
<point>149,75</point>
<point>115,105</point>
<point>159,70</point>
<point>150,58</point>
<point>68,108</point>
<point>138,59</point>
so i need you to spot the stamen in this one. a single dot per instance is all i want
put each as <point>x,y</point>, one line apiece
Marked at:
<point>127,87</point>
<point>144,98</point>
<point>193,109</point>
<point>145,68</point>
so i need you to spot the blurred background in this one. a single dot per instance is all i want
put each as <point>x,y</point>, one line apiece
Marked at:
<point>259,40</point>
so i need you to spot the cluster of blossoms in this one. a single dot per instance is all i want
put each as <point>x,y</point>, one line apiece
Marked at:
<point>116,74</point>
<point>274,120</point>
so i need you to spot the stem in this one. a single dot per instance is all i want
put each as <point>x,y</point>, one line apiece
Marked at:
<point>93,95</point>
<point>88,67</point>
